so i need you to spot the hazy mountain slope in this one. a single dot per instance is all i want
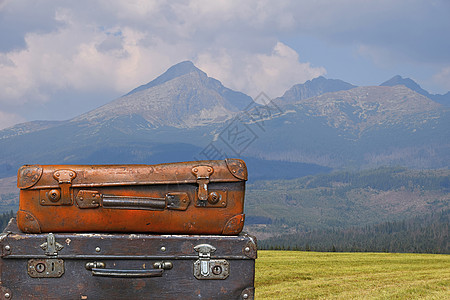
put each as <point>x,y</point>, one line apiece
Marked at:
<point>313,88</point>
<point>411,84</point>
<point>167,120</point>
<point>183,111</point>
<point>183,97</point>
<point>27,127</point>
<point>365,126</point>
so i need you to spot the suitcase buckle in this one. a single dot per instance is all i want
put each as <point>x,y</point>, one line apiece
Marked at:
<point>202,173</point>
<point>206,199</point>
<point>207,268</point>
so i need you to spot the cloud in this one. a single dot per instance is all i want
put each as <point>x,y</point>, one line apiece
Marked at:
<point>443,77</point>
<point>9,119</point>
<point>130,43</point>
<point>50,47</point>
<point>271,73</point>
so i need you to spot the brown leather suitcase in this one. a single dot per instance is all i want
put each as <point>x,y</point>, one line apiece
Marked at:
<point>125,266</point>
<point>199,197</point>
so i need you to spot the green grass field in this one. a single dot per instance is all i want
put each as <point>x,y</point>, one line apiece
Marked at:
<point>331,275</point>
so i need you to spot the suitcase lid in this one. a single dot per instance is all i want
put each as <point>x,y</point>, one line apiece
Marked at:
<point>50,176</point>
<point>15,244</point>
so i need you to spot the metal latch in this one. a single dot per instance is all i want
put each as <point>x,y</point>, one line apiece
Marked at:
<point>47,267</point>
<point>202,173</point>
<point>64,178</point>
<point>61,196</point>
<point>207,268</point>
<point>51,246</point>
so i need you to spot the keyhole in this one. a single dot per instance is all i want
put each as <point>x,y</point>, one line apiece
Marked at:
<point>40,267</point>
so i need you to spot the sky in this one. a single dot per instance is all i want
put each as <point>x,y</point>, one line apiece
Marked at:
<point>59,59</point>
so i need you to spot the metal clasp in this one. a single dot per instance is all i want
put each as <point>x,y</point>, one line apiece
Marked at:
<point>51,247</point>
<point>202,173</point>
<point>61,196</point>
<point>64,178</point>
<point>207,268</point>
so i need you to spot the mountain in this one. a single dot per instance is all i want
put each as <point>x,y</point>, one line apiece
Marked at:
<point>411,84</point>
<point>183,96</point>
<point>315,87</point>
<point>357,128</point>
<point>186,115</point>
<point>167,119</point>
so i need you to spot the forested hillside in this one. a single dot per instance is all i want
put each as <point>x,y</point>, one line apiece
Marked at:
<point>344,199</point>
<point>421,234</point>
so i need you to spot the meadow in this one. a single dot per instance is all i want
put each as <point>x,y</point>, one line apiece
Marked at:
<point>334,275</point>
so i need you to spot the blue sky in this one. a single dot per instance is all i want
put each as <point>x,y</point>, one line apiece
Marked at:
<point>59,59</point>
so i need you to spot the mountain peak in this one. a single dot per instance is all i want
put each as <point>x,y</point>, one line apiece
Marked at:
<point>180,69</point>
<point>315,87</point>
<point>408,82</point>
<point>183,96</point>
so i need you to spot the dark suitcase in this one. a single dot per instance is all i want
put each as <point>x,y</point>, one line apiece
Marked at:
<point>125,266</point>
<point>199,197</point>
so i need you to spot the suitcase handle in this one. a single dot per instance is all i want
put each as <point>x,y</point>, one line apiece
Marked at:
<point>94,199</point>
<point>127,273</point>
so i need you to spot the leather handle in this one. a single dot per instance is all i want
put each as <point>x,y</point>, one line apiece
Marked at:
<point>111,201</point>
<point>127,273</point>
<point>94,199</point>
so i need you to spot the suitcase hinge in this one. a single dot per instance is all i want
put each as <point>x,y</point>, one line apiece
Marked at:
<point>207,268</point>
<point>202,173</point>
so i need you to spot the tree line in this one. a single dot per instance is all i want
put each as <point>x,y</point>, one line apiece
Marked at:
<point>5,217</point>
<point>421,234</point>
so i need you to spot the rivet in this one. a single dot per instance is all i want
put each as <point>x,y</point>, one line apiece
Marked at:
<point>247,249</point>
<point>42,200</point>
<point>97,249</point>
<point>223,203</point>
<point>7,248</point>
<point>209,169</point>
<point>57,174</point>
<point>163,249</point>
<point>196,170</point>
<point>234,171</point>
<point>71,174</point>
<point>7,295</point>
<point>93,202</point>
<point>245,296</point>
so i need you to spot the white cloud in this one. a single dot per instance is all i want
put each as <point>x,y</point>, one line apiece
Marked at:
<point>109,45</point>
<point>132,42</point>
<point>8,119</point>
<point>253,73</point>
<point>443,77</point>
